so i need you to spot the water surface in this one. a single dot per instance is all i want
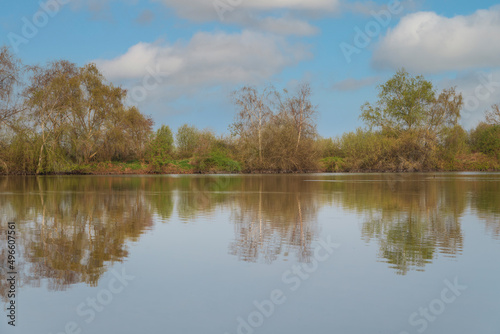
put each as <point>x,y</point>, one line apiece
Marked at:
<point>316,253</point>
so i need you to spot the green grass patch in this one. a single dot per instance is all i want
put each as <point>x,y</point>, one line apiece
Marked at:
<point>182,164</point>
<point>217,161</point>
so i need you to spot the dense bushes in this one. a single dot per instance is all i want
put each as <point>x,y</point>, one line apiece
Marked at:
<point>333,164</point>
<point>216,162</point>
<point>160,148</point>
<point>187,140</point>
<point>366,150</point>
<point>485,138</point>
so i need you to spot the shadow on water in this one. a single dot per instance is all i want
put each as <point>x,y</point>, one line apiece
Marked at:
<point>72,228</point>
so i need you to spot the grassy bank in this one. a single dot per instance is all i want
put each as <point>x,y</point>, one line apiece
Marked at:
<point>476,162</point>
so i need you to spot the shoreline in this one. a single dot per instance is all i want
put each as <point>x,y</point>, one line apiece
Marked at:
<point>472,163</point>
<point>139,173</point>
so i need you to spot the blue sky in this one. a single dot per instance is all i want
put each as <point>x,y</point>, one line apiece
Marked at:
<point>181,59</point>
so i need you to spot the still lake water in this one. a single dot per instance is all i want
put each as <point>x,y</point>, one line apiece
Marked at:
<point>316,253</point>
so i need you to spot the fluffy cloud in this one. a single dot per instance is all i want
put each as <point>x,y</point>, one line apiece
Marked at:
<point>427,42</point>
<point>207,60</point>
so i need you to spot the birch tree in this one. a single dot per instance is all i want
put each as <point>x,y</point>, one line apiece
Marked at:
<point>95,111</point>
<point>11,71</point>
<point>493,115</point>
<point>301,110</point>
<point>253,114</point>
<point>50,97</point>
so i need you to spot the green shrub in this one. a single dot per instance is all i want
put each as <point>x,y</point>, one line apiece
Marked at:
<point>365,150</point>
<point>217,161</point>
<point>333,164</point>
<point>486,139</point>
<point>159,150</point>
<point>183,164</point>
<point>454,142</point>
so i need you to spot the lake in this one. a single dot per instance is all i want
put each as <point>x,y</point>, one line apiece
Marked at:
<point>313,253</point>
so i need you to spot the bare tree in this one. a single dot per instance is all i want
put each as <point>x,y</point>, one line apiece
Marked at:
<point>493,116</point>
<point>300,109</point>
<point>252,116</point>
<point>445,111</point>
<point>10,76</point>
<point>276,130</point>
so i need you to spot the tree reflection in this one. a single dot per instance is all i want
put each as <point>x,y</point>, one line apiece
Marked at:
<point>414,218</point>
<point>274,218</point>
<point>71,229</point>
<point>485,201</point>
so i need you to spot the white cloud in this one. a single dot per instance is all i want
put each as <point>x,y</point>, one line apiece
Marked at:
<point>207,60</point>
<point>427,42</point>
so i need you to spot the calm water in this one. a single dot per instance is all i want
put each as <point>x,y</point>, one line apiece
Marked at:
<point>346,253</point>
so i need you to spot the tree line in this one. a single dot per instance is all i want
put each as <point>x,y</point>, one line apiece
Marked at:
<point>63,118</point>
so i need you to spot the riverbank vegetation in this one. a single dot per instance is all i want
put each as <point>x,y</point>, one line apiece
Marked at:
<point>62,118</point>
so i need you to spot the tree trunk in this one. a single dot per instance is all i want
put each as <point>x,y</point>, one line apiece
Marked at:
<point>260,141</point>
